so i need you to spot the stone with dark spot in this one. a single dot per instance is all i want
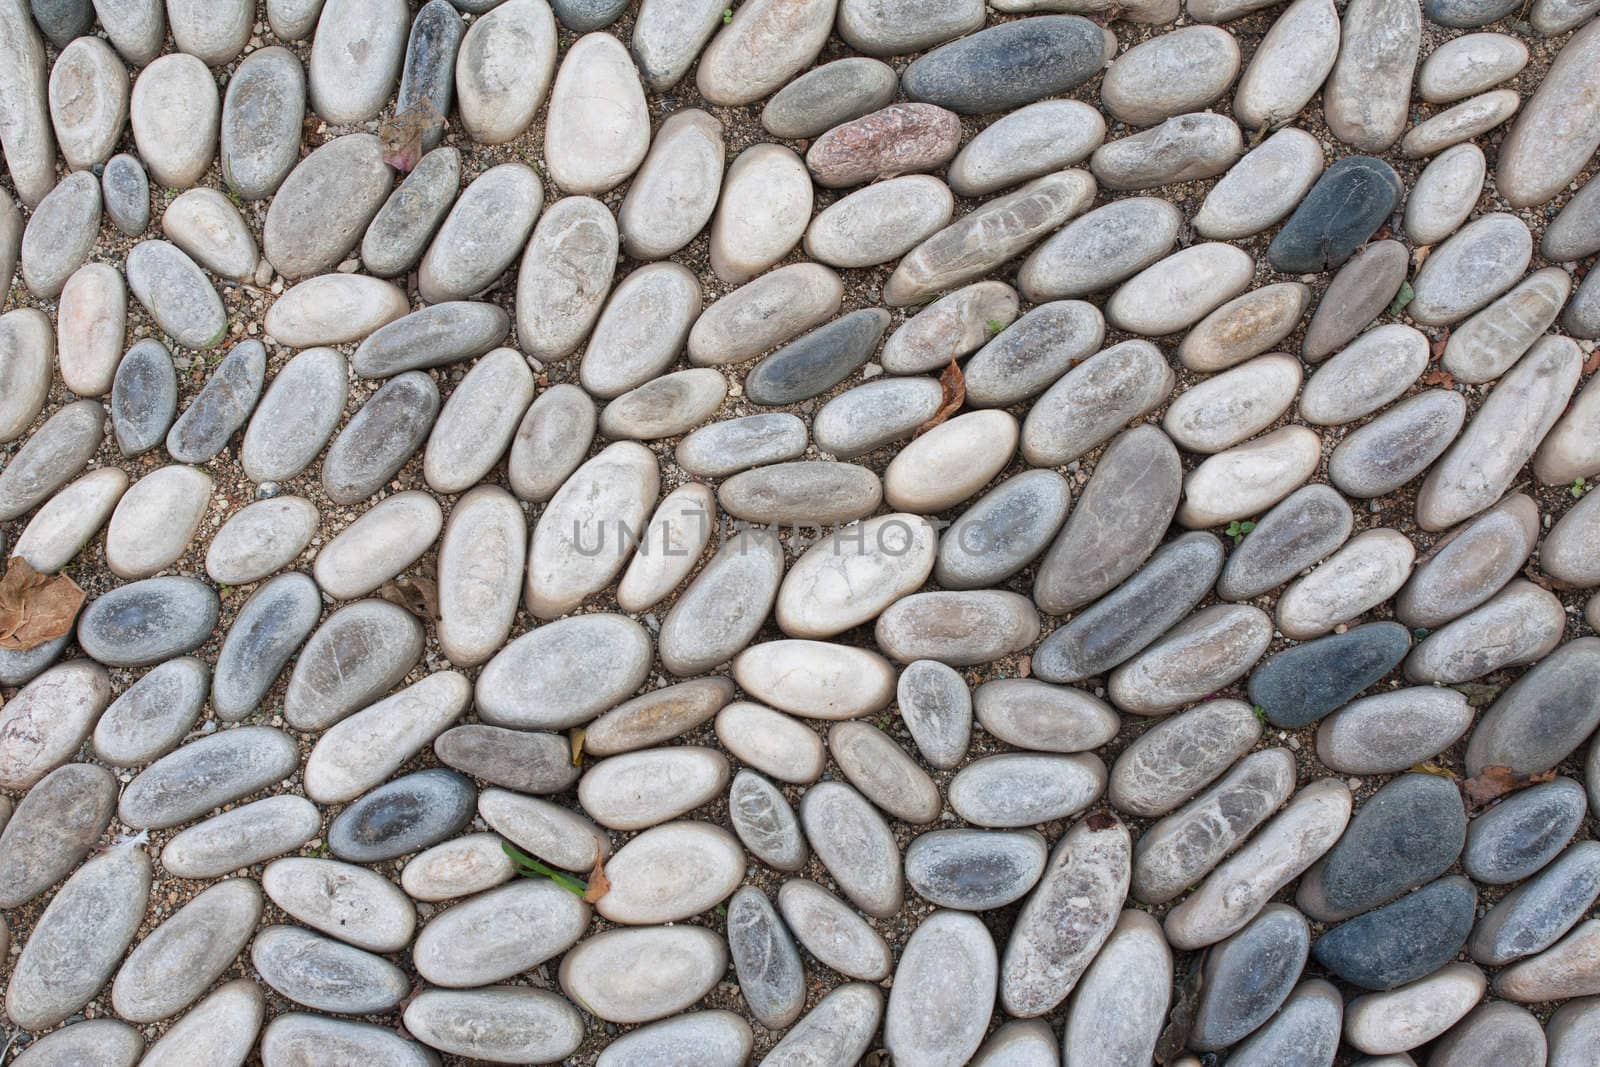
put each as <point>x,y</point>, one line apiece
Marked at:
<point>405,815</point>
<point>1300,685</point>
<point>1523,832</point>
<point>1008,65</point>
<point>819,360</point>
<point>1403,941</point>
<point>1248,976</point>
<point>1347,205</point>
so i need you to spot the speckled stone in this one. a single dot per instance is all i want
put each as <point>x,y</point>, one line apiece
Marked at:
<point>1519,836</point>
<point>148,621</point>
<point>1388,732</point>
<point>53,827</point>
<point>1105,246</point>
<point>1402,941</point>
<point>408,814</point>
<point>975,870</point>
<point>265,634</point>
<point>177,294</point>
<point>1348,203</point>
<point>1248,976</point>
<point>564,276</point>
<point>1262,188</point>
<point>380,437</point>
<point>262,110</point>
<point>359,654</point>
<point>765,822</point>
<point>319,213</point>
<point>151,717</point>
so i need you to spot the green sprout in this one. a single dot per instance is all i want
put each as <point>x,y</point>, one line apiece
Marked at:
<point>1402,298</point>
<point>1261,712</point>
<point>1237,530</point>
<point>995,326</point>
<point>727,15</point>
<point>529,867</point>
<point>1578,487</point>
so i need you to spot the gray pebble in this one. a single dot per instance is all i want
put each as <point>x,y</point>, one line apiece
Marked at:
<point>126,194</point>
<point>262,111</point>
<point>154,714</point>
<point>242,836</point>
<point>765,822</point>
<point>975,870</point>
<point>325,974</point>
<point>53,827</point>
<point>173,966</point>
<point>148,621</point>
<point>400,232</point>
<point>405,815</point>
<point>379,438</point>
<point>324,205</point>
<point>207,773</point>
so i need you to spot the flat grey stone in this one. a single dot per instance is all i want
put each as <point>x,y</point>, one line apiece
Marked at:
<point>125,192</point>
<point>206,225</point>
<point>1398,445</point>
<point>1201,655</point>
<point>1008,65</point>
<point>324,205</point>
<point>205,774</point>
<point>28,339</point>
<point>975,870</point>
<point>296,1036</point>
<point>839,1029</point>
<point>459,867</point>
<point>527,761</point>
<point>242,836</point>
<point>765,822</point>
<point>551,441</point>
<point>356,57</point>
<point>943,991</point>
<point>636,790</point>
<point>1554,135</point>
<point>334,309</point>
<point>549,831</point>
<point>1402,941</point>
<point>1184,148</point>
<point>427,78</point>
<point>1389,732</point>
<point>565,276</point>
<point>1571,1031</point>
<point>1031,354</point>
<point>386,540</point>
<point>66,523</point>
<point>405,815</point>
<point>1482,260</point>
<point>762,213</point>
<point>879,222</point>
<point>215,32</point>
<point>1118,1010</point>
<point>1249,976</point>
<point>771,742</point>
<point>597,128</point>
<point>668,406</point>
<point>435,336</point>
<point>51,457</point>
<point>480,572</point>
<point>137,29</point>
<point>221,1028</point>
<point>503,69</point>
<point>865,417</point>
<point>177,294</point>
<point>1039,717</point>
<point>1017,789</point>
<point>827,96</point>
<point>379,438</point>
<point>325,974</point>
<point>1519,836</point>
<point>1304,1033</point>
<point>1563,970</point>
<point>400,232</point>
<point>156,519</point>
<point>148,621</point>
<point>724,607</point>
<point>1262,188</point>
<point>222,407</point>
<point>671,547</point>
<point>818,361</point>
<point>832,931</point>
<point>467,946</point>
<point>856,846</point>
<point>1095,400</point>
<point>485,230</point>
<point>360,752</point>
<point>45,724</point>
<point>764,45</point>
<point>1173,760</point>
<point>262,111</point>
<point>769,311</point>
<point>1003,531</point>
<point>151,717</point>
<point>1533,916</point>
<point>1249,478</point>
<point>501,1024</point>
<point>1180,290</point>
<point>361,652</point>
<point>1367,571</point>
<point>173,966</point>
<point>1362,289</point>
<point>1445,193</point>
<point>1540,719</point>
<point>950,462</point>
<point>727,447</point>
<point>1520,624</point>
<point>1575,232</point>
<point>641,974</point>
<point>107,1041</point>
<point>1177,72</point>
<point>1367,95</point>
<point>261,539</point>
<point>477,424</point>
<point>672,197</point>
<point>565,673</point>
<point>88,102</point>
<point>1466,567</point>
<point>53,827</point>
<point>715,1038</point>
<point>805,491</point>
<point>884,773</point>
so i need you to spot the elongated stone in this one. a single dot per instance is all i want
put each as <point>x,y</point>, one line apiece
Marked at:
<point>325,974</point>
<point>884,772</point>
<point>819,360</point>
<point>1009,65</point>
<point>1445,193</point>
<point>1564,970</point>
<point>1180,290</point>
<point>1533,916</point>
<point>671,872</point>
<point>1403,941</point>
<point>637,790</point>
<point>1169,763</point>
<point>174,965</point>
<point>177,295</point>
<point>1201,655</point>
<point>1363,288</point>
<point>1365,572</point>
<point>551,441</point>
<point>174,112</point>
<point>152,716</point>
<point>767,312</point>
<point>379,438</point>
<point>1245,326</point>
<point>1034,353</point>
<point>1556,133</point>
<point>503,70</point>
<point>60,234</point>
<point>155,520</point>
<point>975,870</point>
<point>670,547</point>
<point>262,109</point>
<point>242,836</point>
<point>1486,345</point>
<point>771,975</point>
<point>1221,412</point>
<point>1385,1024</point>
<point>363,750</point>
<point>527,761</point>
<point>1300,685</point>
<point>480,572</point>
<point>333,309</point>
<point>359,654</point>
<point>88,101</point>
<point>802,492</point>
<point>1388,732</point>
<point>879,222</point>
<point>1262,188</point>
<point>264,636</point>
<point>148,621</point>
<point>1249,478</point>
<point>832,932</point>
<point>356,57</point>
<point>53,827</point>
<point>1465,568</point>
<point>1482,260</point>
<point>1024,788</point>
<point>598,130</point>
<point>323,207</point>
<point>764,45</point>
<point>721,611</point>
<point>462,947</point>
<point>403,228</point>
<point>943,991</point>
<point>1248,976</point>
<point>1520,624</point>
<point>1182,149</point>
<point>1288,67</point>
<point>762,213</point>
<point>377,546</point>
<point>46,723</point>
<point>107,1040</point>
<point>444,333</point>
<point>827,96</point>
<point>1305,1030</point>
<point>950,462</point>
<point>894,140</point>
<point>1095,400</point>
<point>855,845</point>
<point>565,275</point>
<point>261,539</point>
<point>26,339</point>
<point>1345,207</point>
<point>668,36</point>
<point>1367,94</point>
<point>1538,721</point>
<point>725,448</point>
<point>459,867</point>
<point>564,674</point>
<point>672,197</point>
<point>300,1035</point>
<point>549,831</point>
<point>1034,715</point>
<point>485,230</point>
<point>1398,445</point>
<point>636,975</point>
<point>953,326</point>
<point>405,815</point>
<point>668,406</point>
<point>1178,72</point>
<point>222,407</point>
<point>833,587</point>
<point>51,457</point>
<point>771,742</point>
<point>205,774</point>
<point>1003,531</point>
<point>765,822</point>
<point>501,1023</point>
<point>478,422</point>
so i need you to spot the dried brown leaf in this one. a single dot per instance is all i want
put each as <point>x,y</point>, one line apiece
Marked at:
<point>1478,694</point>
<point>1433,769</point>
<point>401,136</point>
<point>1497,781</point>
<point>1439,377</point>
<point>1436,346</point>
<point>599,884</point>
<point>1420,254</point>
<point>34,607</point>
<point>1592,364</point>
<point>417,594</point>
<point>1175,1038</point>
<point>575,738</point>
<point>954,384</point>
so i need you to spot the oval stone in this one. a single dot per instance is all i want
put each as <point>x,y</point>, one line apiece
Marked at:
<point>1222,411</point>
<point>832,587</point>
<point>498,934</point>
<point>1262,188</point>
<point>898,139</point>
<point>1398,445</point>
<point>564,276</point>
<point>264,636</point>
<point>551,442</point>
<point>598,129</point>
<point>334,309</point>
<point>444,333</point>
<point>762,213</point>
<point>325,974</point>
<point>485,230</point>
<point>69,520</point>
<point>802,492</point>
<point>975,870</point>
<point>1008,65</point>
<point>1184,148</point>
<point>636,790</point>
<point>832,931</point>
<point>1045,718</point>
<point>174,965</point>
<point>1017,789</point>
<point>222,407</point>
<point>380,438</point>
<point>943,991</point>
<point>671,872</point>
<point>53,827</point>
<point>1482,260</point>
<point>1364,573</point>
<point>350,903</point>
<point>724,607</point>
<point>771,742</point>
<point>1105,246</point>
<point>242,836</point>
<point>503,69</point>
<point>1402,941</point>
<point>360,653</point>
<point>764,45</point>
<point>1388,732</point>
<point>363,750</point>
<point>856,846</point>
<point>766,312</point>
<point>1180,290</point>
<point>765,822</point>
<point>1249,478</point>
<point>177,295</point>
<point>384,541</point>
<point>148,621</point>
<point>206,774</point>
<point>262,110</point>
<point>323,207</point>
<point>405,815</point>
<point>1342,210</point>
<point>880,222</point>
<point>636,975</point>
<point>174,112</point>
<point>1095,400</point>
<point>831,94</point>
<point>565,673</point>
<point>1248,976</point>
<point>1203,654</point>
<point>1520,624</point>
<point>298,1036</point>
<point>459,867</point>
<point>1172,761</point>
<point>1486,345</point>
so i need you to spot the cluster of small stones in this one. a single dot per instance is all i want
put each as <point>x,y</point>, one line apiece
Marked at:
<point>1121,718</point>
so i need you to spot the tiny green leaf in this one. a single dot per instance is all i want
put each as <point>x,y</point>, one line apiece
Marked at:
<point>1579,487</point>
<point>529,867</point>
<point>727,15</point>
<point>1402,298</point>
<point>994,326</point>
<point>1261,712</point>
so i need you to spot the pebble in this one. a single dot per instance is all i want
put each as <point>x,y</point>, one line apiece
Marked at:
<point>721,611</point>
<point>878,223</point>
<point>1001,228</point>
<point>1016,789</point>
<point>1397,446</point>
<point>350,903</point>
<point>671,872</point>
<point>551,442</point>
<point>1492,1033</point>
<point>1488,343</point>
<point>762,213</point>
<point>1067,918</point>
<point>1033,353</point>
<point>1363,288</point>
<point>148,621</point>
<point>766,823</point>
<point>137,29</point>
<point>44,725</point>
<point>1034,715</point>
<point>1366,99</point>
<point>173,966</point>
<point>480,572</point>
<point>1466,14</point>
<point>177,294</point>
<point>1388,732</point>
<point>637,975</point>
<point>380,438</point>
<point>485,230</point>
<point>771,976</point>
<point>668,36</point>
<point>725,448</point>
<point>153,715</point>
<point>498,934</point>
<point>51,457</point>
<point>838,1030</point>
<point>818,361</point>
<point>565,673</point>
<point>1095,400</point>
<point>1556,133</point>
<point>672,197</point>
<point>222,406</point>
<point>361,751</point>
<point>766,43</point>
<point>1225,410</point>
<point>1300,685</point>
<point>503,1024</point>
<point>1403,941</point>
<point>551,832</point>
<point>1344,208</point>
<point>79,939</point>
<point>1248,976</point>
<point>386,540</point>
<point>1566,455</point>
<point>175,113</point>
<point>30,142</point>
<point>943,991</point>
<point>405,815</point>
<point>898,139</point>
<point>325,974</point>
<point>106,1041</point>
<point>1523,833</point>
<point>1002,531</point>
<point>637,790</point>
<point>242,836</point>
<point>1571,1031</point>
<point>205,774</point>
<point>682,527</point>
<point>27,340</point>
<point>359,654</point>
<point>92,315</point>
<point>144,398</point>
<point>1471,564</point>
<point>60,234</point>
<point>898,28</point>
<point>273,623</point>
<point>1387,1024</point>
<point>884,772</point>
<point>764,313</point>
<point>460,867</point>
<point>565,277</point>
<point>262,111</point>
<point>1244,327</point>
<point>1169,763</point>
<point>478,422</point>
<point>1119,1004</point>
<point>1444,194</point>
<point>668,406</point>
<point>445,333</point>
<point>1175,73</point>
<point>613,492</point>
<point>805,491</point>
<point>855,845</point>
<point>261,539</point>
<point>953,326</point>
<point>1289,65</point>
<point>427,79</point>
<point>206,225</point>
<point>54,826</point>
<point>1484,259</point>
<point>1564,970</point>
<point>88,101</point>
<point>1583,314</point>
<point>356,57</point>
<point>1027,143</point>
<point>1185,148</point>
<point>1520,624</point>
<point>334,309</point>
<point>1305,1031</point>
<point>323,207</point>
<point>975,870</point>
<point>1201,655</point>
<point>1470,64</point>
<point>215,32</point>
<point>951,462</point>
<point>1502,436</point>
<point>714,1038</point>
<point>1250,478</point>
<point>1466,120</point>
<point>1575,231</point>
<point>1262,188</point>
<point>503,70</point>
<point>597,129</point>
<point>1008,65</point>
<point>1533,916</point>
<point>771,742</point>
<point>524,760</point>
<point>1180,290</point>
<point>832,587</point>
<point>297,1036</point>
<point>832,932</point>
<point>1367,571</point>
<point>1235,892</point>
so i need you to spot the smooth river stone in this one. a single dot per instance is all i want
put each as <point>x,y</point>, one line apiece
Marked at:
<point>427,79</point>
<point>1175,853</point>
<point>582,539</point>
<point>262,110</point>
<point>1486,345</point>
<point>672,872</point>
<point>725,448</point>
<point>51,457</point>
<point>1565,970</point>
<point>92,313</point>
<point>273,623</point>
<point>1003,531</point>
<point>943,991</point>
<point>151,717</point>
<point>1520,624</point>
<point>325,974</point>
<point>1502,436</point>
<point>1558,131</point>
<point>676,539</point>
<point>766,43</point>
<point>551,441</point>
<point>1541,718</point>
<point>712,1038</point>
<point>1248,976</point>
<point>771,742</point>
<point>334,309</point>
<point>433,336</point>
<point>1571,1031</point>
<point>898,28</point>
<point>1366,99</point>
<point>950,462</point>
<point>1403,941</point>
<point>856,846</point>
<point>125,190</point>
<point>1168,764</point>
<point>975,870</point>
<point>222,407</point>
<point>654,717</point>
<point>1300,685</point>
<point>565,673</point>
<point>771,976</point>
<point>637,790</point>
<point>144,398</point>
<point>172,967</point>
<point>1398,445</point>
<point>951,327</point>
<point>721,611</point>
<point>1016,789</point>
<point>1033,715</point>
<point>1262,188</point>
<point>88,101</point>
<point>832,931</point>
<point>1466,567</point>
<point>1305,1032</point>
<point>1388,732</point>
<point>1386,1024</point>
<point>1365,376</point>
<point>1027,143</point>
<point>1566,553</point>
<point>206,225</point>
<point>884,772</point>
<point>323,207</point>
<point>1484,259</point>
<point>174,112</point>
<point>1492,1033</point>
<point>478,422</point>
<point>1121,517</point>
<point>1582,318</point>
<point>1567,455</point>
<point>380,438</point>
<point>1288,67</point>
<point>1169,75</point>
<point>1575,231</point>
<point>1203,654</point>
<point>524,760</point>
<point>402,229</point>
<point>359,654</point>
<point>1470,64</point>
<point>1245,326</point>
<point>898,139</point>
<point>80,938</point>
<point>101,1041</point>
<point>503,1024</point>
<point>639,974</point>
<point>1117,1012</point>
<point>480,573</point>
<point>1222,411</point>
<point>46,723</point>
<point>405,815</point>
<point>762,213</point>
<point>485,230</point>
<point>819,360</point>
<point>459,867</point>
<point>564,276</point>
<point>356,57</point>
<point>839,1029</point>
<point>1033,353</point>
<point>54,826</point>
<point>804,492</point>
<point>1364,573</point>
<point>60,234</point>
<point>1180,290</point>
<point>1346,206</point>
<point>498,934</point>
<point>850,576</point>
<point>1533,916</point>
<point>766,312</point>
<point>551,832</point>
<point>1363,288</point>
<point>598,128</point>
<point>503,70</point>
<point>1444,195</point>
<point>1249,478</point>
<point>1095,400</point>
<point>668,406</point>
<point>344,901</point>
<point>642,329</point>
<point>668,36</point>
<point>1235,892</point>
<point>1461,123</point>
<point>295,1037</point>
<point>1008,65</point>
<point>26,340</point>
<point>244,835</point>
<point>361,751</point>
<point>671,199</point>
<point>177,294</point>
<point>880,222</point>
<point>764,821</point>
<point>816,679</point>
<point>997,231</point>
<point>386,540</point>
<point>148,621</point>
<point>205,774</point>
<point>261,539</point>
<point>1068,917</point>
<point>1182,149</point>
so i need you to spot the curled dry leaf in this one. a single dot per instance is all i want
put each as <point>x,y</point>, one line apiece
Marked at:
<point>1496,781</point>
<point>1592,364</point>
<point>599,884</point>
<point>575,738</point>
<point>1175,1038</point>
<point>954,384</point>
<point>417,594</point>
<point>401,136</point>
<point>34,607</point>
